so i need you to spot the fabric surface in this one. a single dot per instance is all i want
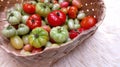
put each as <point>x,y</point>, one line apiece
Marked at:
<point>100,50</point>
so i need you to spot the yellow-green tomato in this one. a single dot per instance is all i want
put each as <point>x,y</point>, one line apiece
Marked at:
<point>42,9</point>
<point>59,34</point>
<point>16,42</point>
<point>38,37</point>
<point>25,39</point>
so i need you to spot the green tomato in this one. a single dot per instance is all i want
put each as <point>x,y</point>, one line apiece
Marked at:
<point>14,17</point>
<point>56,7</point>
<point>18,7</point>
<point>81,15</point>
<point>48,44</point>
<point>42,9</point>
<point>38,37</point>
<point>24,19</point>
<point>73,24</point>
<point>16,42</point>
<point>22,29</point>
<point>26,53</point>
<point>77,23</point>
<point>59,34</point>
<point>25,39</point>
<point>9,31</point>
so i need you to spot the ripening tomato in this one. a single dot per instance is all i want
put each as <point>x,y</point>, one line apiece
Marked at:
<point>28,47</point>
<point>72,12</point>
<point>88,22</point>
<point>47,28</point>
<point>29,8</point>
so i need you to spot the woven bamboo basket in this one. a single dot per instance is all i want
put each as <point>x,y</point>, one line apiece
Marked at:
<point>49,56</point>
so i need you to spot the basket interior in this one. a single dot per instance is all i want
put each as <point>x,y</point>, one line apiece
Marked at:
<point>90,7</point>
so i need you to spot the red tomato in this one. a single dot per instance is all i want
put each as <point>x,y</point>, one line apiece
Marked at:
<point>46,27</point>
<point>28,48</point>
<point>34,21</point>
<point>88,22</point>
<point>80,30</point>
<point>36,50</point>
<point>77,3</point>
<point>64,4</point>
<point>73,34</point>
<point>72,12</point>
<point>56,18</point>
<point>29,8</point>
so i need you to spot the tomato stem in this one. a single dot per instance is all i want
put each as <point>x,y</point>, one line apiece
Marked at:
<point>58,14</point>
<point>36,35</point>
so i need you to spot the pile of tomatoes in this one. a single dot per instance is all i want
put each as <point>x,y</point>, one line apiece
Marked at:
<point>35,25</point>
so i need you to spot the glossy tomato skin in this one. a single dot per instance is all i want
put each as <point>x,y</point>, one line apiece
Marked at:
<point>72,12</point>
<point>34,21</point>
<point>88,22</point>
<point>73,34</point>
<point>29,8</point>
<point>56,18</point>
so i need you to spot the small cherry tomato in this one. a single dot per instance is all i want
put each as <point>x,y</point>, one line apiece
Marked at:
<point>80,30</point>
<point>73,34</point>
<point>34,21</point>
<point>36,50</point>
<point>72,12</point>
<point>47,28</point>
<point>29,8</point>
<point>77,3</point>
<point>64,4</point>
<point>88,22</point>
<point>28,48</point>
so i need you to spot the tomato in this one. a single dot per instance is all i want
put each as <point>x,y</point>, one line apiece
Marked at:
<point>24,19</point>
<point>42,9</point>
<point>64,4</point>
<point>65,10</point>
<point>38,37</point>
<point>56,18</point>
<point>29,8</point>
<point>88,22</point>
<point>56,6</point>
<point>34,21</point>
<point>25,39</point>
<point>47,28</point>
<point>22,29</point>
<point>9,31</point>
<point>59,34</point>
<point>77,3</point>
<point>73,34</point>
<point>28,48</point>
<point>36,50</point>
<point>16,42</point>
<point>14,17</point>
<point>80,30</point>
<point>72,12</point>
